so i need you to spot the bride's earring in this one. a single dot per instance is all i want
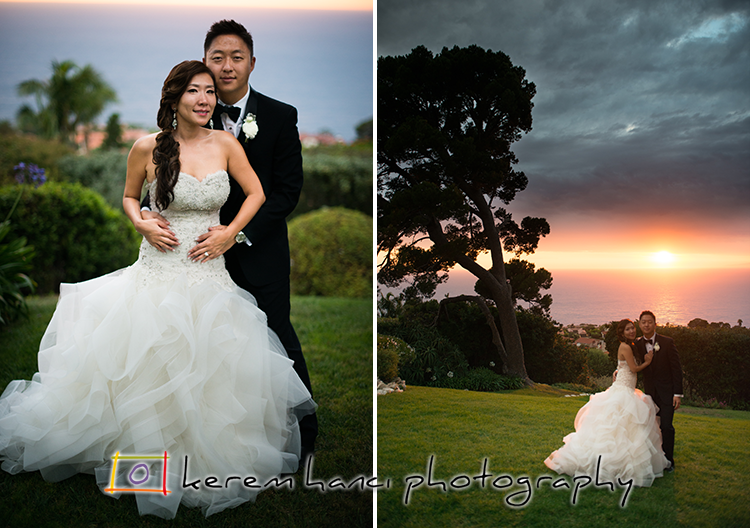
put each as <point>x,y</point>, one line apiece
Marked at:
<point>211,123</point>
<point>174,121</point>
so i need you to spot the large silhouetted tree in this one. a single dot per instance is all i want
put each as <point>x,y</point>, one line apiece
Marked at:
<point>446,123</point>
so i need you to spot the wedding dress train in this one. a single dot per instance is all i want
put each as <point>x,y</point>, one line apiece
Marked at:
<point>166,355</point>
<point>620,426</point>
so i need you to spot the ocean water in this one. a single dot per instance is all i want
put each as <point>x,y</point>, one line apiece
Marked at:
<point>675,296</point>
<point>319,61</point>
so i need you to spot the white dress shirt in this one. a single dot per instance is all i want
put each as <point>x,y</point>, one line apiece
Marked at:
<point>226,121</point>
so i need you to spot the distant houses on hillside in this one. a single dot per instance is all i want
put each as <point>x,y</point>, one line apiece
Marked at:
<point>316,140</point>
<point>94,138</point>
<point>580,337</point>
<point>590,342</point>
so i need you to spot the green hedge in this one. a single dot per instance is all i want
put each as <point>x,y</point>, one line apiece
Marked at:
<point>479,380</point>
<point>331,251</point>
<point>75,234</point>
<point>434,355</point>
<point>715,363</point>
<point>16,148</point>
<point>102,171</point>
<point>600,363</point>
<point>339,178</point>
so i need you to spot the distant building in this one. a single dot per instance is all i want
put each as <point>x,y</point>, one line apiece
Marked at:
<point>315,140</point>
<point>93,139</point>
<point>590,342</point>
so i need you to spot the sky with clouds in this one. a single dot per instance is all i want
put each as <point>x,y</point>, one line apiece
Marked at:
<point>641,133</point>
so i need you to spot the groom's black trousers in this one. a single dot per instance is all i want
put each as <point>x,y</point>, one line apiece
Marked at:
<point>664,400</point>
<point>273,299</point>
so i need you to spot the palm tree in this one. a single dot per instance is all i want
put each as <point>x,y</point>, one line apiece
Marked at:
<point>73,96</point>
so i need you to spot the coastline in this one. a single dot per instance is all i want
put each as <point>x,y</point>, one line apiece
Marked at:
<point>600,296</point>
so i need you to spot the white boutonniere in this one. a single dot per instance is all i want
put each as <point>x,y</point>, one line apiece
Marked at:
<point>656,347</point>
<point>250,126</point>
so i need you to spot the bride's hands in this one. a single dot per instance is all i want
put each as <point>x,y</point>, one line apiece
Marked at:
<point>648,357</point>
<point>212,244</point>
<point>155,229</point>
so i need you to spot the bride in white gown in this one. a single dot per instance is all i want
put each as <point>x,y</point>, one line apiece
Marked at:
<point>167,354</point>
<point>619,425</point>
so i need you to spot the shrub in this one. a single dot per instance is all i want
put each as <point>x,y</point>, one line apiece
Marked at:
<point>102,171</point>
<point>14,261</point>
<point>44,153</point>
<point>479,379</point>
<point>391,352</point>
<point>390,305</point>
<point>599,363</point>
<point>434,356</point>
<point>76,235</point>
<point>548,358</point>
<point>711,403</point>
<point>336,178</point>
<point>331,252</point>
<point>465,324</point>
<point>715,362</point>
<point>602,382</point>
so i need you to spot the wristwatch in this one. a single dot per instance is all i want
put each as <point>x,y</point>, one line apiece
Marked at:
<point>241,238</point>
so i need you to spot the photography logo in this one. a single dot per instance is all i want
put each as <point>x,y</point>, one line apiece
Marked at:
<point>139,473</point>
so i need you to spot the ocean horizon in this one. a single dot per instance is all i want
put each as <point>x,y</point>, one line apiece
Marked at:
<point>321,62</point>
<point>601,296</point>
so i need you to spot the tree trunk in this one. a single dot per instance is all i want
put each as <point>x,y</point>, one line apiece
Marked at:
<point>500,290</point>
<point>509,325</point>
<point>496,340</point>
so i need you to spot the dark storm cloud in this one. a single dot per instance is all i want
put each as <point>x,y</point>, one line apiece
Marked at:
<point>630,95</point>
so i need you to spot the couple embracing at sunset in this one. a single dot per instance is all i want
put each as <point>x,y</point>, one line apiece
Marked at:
<point>622,433</point>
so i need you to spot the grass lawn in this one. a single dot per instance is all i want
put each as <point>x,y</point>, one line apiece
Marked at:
<point>336,336</point>
<point>515,432</point>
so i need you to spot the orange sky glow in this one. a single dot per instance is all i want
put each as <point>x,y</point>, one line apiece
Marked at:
<point>342,5</point>
<point>553,260</point>
<point>597,244</point>
<point>601,242</point>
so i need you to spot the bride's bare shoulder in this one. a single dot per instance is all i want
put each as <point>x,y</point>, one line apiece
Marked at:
<point>223,137</point>
<point>145,144</point>
<point>623,349</point>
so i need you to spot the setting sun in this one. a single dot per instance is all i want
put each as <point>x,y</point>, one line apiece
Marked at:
<point>663,258</point>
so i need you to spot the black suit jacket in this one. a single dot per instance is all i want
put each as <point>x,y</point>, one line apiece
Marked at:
<point>664,375</point>
<point>275,154</point>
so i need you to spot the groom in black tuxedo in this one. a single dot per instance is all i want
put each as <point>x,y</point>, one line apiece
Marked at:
<point>259,261</point>
<point>258,258</point>
<point>662,379</point>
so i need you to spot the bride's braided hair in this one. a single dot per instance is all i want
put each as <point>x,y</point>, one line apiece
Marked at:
<point>166,154</point>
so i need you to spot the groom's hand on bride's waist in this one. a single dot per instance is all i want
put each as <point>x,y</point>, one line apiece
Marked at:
<point>212,244</point>
<point>155,229</point>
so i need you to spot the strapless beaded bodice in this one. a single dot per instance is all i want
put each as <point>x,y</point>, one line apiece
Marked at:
<point>194,209</point>
<point>625,377</point>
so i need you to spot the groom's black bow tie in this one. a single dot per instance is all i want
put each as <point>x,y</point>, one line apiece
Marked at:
<point>648,341</point>
<point>233,112</point>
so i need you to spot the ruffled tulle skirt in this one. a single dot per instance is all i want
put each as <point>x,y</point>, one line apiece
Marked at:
<point>192,370</point>
<point>620,426</point>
